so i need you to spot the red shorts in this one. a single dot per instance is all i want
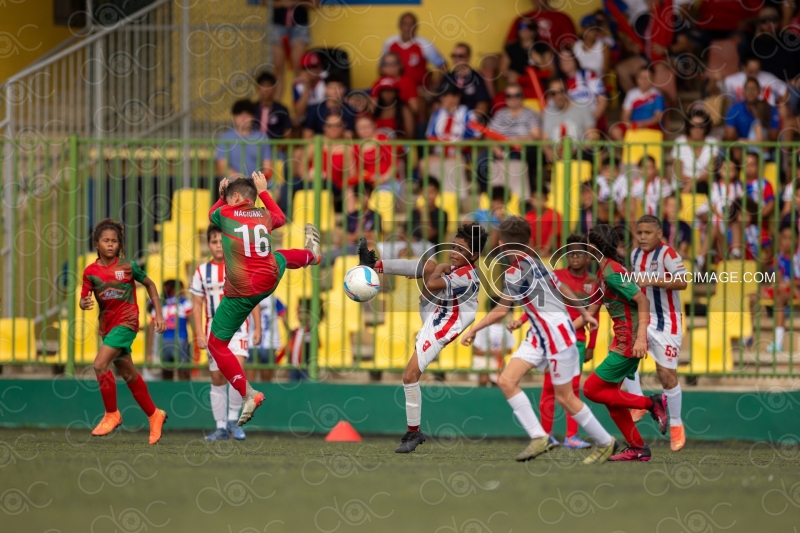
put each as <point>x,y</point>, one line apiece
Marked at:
<point>769,292</point>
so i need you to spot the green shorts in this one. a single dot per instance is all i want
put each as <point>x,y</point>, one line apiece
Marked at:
<point>233,311</point>
<point>120,338</point>
<point>581,351</point>
<point>616,367</point>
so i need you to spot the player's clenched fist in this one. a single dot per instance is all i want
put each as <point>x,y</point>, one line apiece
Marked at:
<point>222,186</point>
<point>86,303</point>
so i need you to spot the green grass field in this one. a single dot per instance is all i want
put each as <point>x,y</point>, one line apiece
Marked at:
<point>69,482</point>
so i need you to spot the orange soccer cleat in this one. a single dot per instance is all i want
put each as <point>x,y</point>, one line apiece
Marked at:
<point>637,414</point>
<point>109,423</point>
<point>156,423</point>
<point>677,438</point>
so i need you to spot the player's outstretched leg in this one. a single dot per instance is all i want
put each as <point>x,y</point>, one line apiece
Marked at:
<point>523,410</point>
<point>413,393</point>
<point>313,243</point>
<point>366,257</point>
<point>674,396</point>
<point>411,268</point>
<point>156,417</point>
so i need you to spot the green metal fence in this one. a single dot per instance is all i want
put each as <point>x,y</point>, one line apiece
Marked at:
<point>55,191</point>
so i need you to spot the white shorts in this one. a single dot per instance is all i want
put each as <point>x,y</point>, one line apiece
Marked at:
<point>239,346</point>
<point>664,347</point>
<point>563,365</point>
<point>428,346</point>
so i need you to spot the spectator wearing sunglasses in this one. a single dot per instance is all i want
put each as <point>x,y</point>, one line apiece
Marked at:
<point>772,43</point>
<point>474,93</point>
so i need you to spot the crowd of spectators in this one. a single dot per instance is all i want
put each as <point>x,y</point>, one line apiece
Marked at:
<point>621,70</point>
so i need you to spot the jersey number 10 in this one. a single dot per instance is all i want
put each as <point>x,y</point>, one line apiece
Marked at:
<point>260,234</point>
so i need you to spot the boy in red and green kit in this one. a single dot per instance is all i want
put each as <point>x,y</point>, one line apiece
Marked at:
<point>630,311</point>
<point>112,279</point>
<point>252,270</point>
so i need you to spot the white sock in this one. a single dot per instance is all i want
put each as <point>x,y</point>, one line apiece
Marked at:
<point>413,403</point>
<point>674,400</point>
<point>585,418</point>
<point>404,267</point>
<point>234,403</point>
<point>633,386</point>
<point>523,410</point>
<point>218,404</point>
<point>779,333</point>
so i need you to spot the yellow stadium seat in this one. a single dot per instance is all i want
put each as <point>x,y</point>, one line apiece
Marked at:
<point>335,331</point>
<point>564,198</point>
<point>771,175</point>
<point>709,352</point>
<point>689,204</point>
<point>17,342</point>
<point>395,339</point>
<point>533,104</point>
<point>448,201</point>
<point>164,266</point>
<point>180,243</point>
<point>86,339</point>
<point>729,308</point>
<point>138,352</point>
<point>304,208</point>
<point>382,203</point>
<point>605,336</point>
<point>512,206</point>
<point>637,141</point>
<point>190,208</point>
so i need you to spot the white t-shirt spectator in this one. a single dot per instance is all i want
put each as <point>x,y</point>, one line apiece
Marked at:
<point>772,88</point>
<point>691,164</point>
<point>602,188</point>
<point>585,88</point>
<point>592,59</point>
<point>627,186</point>
<point>573,122</point>
<point>654,192</point>
<point>272,311</point>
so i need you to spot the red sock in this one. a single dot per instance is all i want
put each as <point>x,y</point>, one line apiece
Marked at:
<point>624,421</point>
<point>572,426</point>
<point>142,396</point>
<point>618,404</point>
<point>296,258</point>
<point>227,363</point>
<point>108,390</point>
<point>412,428</point>
<point>378,267</point>
<point>547,404</point>
<point>609,394</point>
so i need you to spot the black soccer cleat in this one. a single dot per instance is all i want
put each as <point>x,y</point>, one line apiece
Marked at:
<point>366,257</point>
<point>659,411</point>
<point>410,441</point>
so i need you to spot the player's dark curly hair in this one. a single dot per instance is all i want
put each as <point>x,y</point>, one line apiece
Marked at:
<point>113,225</point>
<point>577,238</point>
<point>474,235</point>
<point>243,186</point>
<point>606,239</point>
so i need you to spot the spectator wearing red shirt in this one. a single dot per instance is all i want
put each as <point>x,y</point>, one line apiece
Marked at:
<point>415,53</point>
<point>392,67</point>
<point>545,222</point>
<point>373,155</point>
<point>392,117</point>
<point>555,27</point>
<point>338,159</point>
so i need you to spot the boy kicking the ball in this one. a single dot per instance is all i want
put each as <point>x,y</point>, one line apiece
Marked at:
<point>252,270</point>
<point>550,343</point>
<point>448,308</point>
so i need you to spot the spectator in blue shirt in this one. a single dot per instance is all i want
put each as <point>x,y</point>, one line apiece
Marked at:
<point>751,120</point>
<point>334,103</point>
<point>244,148</point>
<point>173,344</point>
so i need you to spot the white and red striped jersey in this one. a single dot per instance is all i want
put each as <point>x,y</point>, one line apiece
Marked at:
<point>584,88</point>
<point>654,192</point>
<point>773,89</point>
<point>665,304</point>
<point>209,281</point>
<point>456,304</point>
<point>529,283</point>
<point>414,56</point>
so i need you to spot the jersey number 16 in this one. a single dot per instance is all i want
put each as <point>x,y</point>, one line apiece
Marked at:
<point>260,233</point>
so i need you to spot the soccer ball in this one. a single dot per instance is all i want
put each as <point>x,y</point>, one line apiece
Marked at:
<point>361,284</point>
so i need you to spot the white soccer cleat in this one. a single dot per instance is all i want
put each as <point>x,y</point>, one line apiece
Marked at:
<point>251,401</point>
<point>313,241</point>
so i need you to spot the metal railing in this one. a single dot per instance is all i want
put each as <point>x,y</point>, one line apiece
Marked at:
<point>50,213</point>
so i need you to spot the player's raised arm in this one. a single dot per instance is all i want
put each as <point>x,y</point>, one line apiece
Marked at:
<point>275,213</point>
<point>497,314</point>
<point>220,201</point>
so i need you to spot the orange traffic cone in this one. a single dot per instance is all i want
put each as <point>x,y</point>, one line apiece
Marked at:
<point>343,432</point>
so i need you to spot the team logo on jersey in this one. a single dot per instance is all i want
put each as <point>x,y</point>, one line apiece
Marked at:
<point>413,60</point>
<point>119,274</point>
<point>654,265</point>
<point>426,345</point>
<point>587,288</point>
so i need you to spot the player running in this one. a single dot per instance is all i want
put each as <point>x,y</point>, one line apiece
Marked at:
<point>629,346</point>
<point>660,274</point>
<point>252,270</point>
<point>446,312</point>
<point>583,284</point>
<point>112,279</point>
<point>207,288</point>
<point>550,343</point>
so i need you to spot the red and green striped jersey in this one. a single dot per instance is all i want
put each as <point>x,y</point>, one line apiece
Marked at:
<point>250,267</point>
<point>583,287</point>
<point>114,288</point>
<point>618,293</point>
